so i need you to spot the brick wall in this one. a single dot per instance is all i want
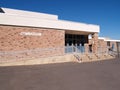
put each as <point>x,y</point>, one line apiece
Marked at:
<point>94,42</point>
<point>102,45</point>
<point>12,40</point>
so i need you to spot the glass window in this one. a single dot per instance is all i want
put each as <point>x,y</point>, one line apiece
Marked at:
<point>75,39</point>
<point>69,36</point>
<point>108,43</point>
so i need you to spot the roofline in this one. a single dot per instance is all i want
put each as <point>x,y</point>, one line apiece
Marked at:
<point>31,14</point>
<point>113,40</point>
<point>110,40</point>
<point>23,20</point>
<point>101,38</point>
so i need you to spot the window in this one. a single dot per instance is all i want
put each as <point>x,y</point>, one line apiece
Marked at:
<point>75,39</point>
<point>108,43</point>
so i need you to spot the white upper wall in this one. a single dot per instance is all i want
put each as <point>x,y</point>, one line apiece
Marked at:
<point>25,18</point>
<point>23,13</point>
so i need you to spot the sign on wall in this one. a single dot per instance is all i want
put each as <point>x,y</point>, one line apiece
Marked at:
<point>30,34</point>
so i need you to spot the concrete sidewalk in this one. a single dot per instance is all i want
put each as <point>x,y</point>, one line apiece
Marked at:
<point>102,75</point>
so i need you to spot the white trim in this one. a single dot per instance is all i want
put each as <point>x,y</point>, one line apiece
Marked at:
<point>101,38</point>
<point>107,39</point>
<point>10,19</point>
<point>113,40</point>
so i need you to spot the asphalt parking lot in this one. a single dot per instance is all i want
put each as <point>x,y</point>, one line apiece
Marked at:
<point>103,75</point>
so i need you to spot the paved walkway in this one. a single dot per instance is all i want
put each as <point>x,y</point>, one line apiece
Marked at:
<point>104,75</point>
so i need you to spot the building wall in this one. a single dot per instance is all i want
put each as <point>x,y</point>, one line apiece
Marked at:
<point>102,45</point>
<point>93,42</point>
<point>113,45</point>
<point>12,40</point>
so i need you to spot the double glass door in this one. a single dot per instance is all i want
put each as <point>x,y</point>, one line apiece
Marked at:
<point>75,41</point>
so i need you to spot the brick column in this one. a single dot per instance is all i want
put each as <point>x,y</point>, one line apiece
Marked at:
<point>94,42</point>
<point>105,47</point>
<point>86,48</point>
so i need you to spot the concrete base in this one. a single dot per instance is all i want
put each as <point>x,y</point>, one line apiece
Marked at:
<point>55,59</point>
<point>49,60</point>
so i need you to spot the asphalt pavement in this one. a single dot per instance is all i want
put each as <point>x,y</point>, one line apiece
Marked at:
<point>101,75</point>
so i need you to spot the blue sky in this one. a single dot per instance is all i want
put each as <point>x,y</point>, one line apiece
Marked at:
<point>105,13</point>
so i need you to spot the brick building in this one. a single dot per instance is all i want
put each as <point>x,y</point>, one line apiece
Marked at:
<point>105,44</point>
<point>24,30</point>
<point>108,43</point>
<point>25,34</point>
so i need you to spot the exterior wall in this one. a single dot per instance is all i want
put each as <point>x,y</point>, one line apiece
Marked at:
<point>111,44</point>
<point>86,48</point>
<point>6,19</point>
<point>12,40</point>
<point>94,42</point>
<point>23,13</point>
<point>102,45</point>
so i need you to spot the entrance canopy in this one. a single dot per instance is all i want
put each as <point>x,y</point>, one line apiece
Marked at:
<point>78,32</point>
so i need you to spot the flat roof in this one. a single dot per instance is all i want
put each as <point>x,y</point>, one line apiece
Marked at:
<point>35,19</point>
<point>29,14</point>
<point>108,39</point>
<point>111,40</point>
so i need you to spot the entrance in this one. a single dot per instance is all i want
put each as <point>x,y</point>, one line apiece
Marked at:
<point>75,43</point>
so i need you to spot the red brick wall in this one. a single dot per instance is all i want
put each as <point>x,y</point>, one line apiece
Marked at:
<point>102,45</point>
<point>94,42</point>
<point>11,40</point>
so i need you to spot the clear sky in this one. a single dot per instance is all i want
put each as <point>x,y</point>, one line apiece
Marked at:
<point>105,13</point>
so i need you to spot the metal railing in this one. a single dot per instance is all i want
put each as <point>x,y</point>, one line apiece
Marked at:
<point>11,56</point>
<point>74,49</point>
